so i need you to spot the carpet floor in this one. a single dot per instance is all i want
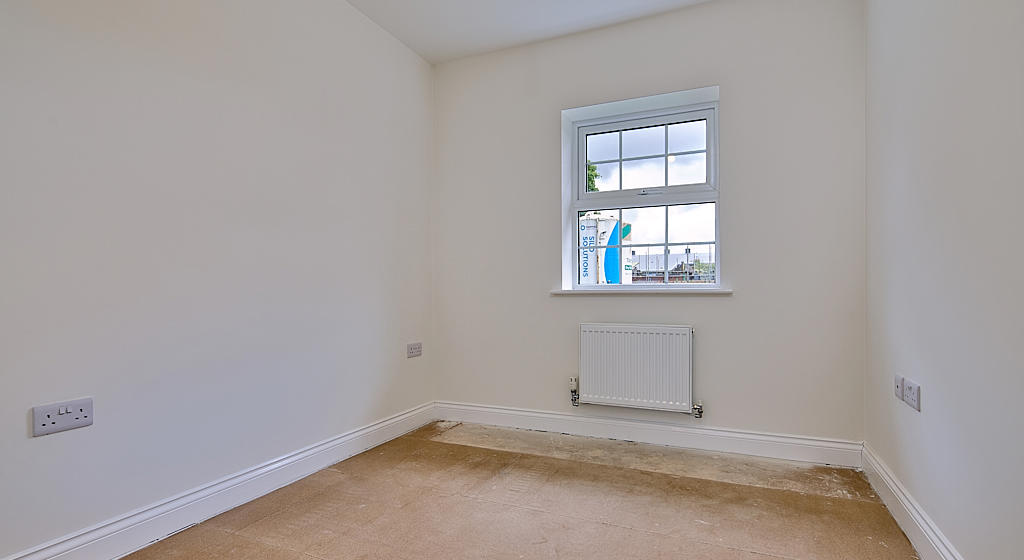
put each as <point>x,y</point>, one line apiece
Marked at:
<point>451,490</point>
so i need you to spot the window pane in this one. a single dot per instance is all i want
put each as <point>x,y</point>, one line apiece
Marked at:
<point>647,264</point>
<point>627,246</point>
<point>603,266</point>
<point>643,141</point>
<point>692,264</point>
<point>602,147</point>
<point>689,169</point>
<point>588,272</point>
<point>689,223</point>
<point>610,261</point>
<point>643,225</point>
<point>643,173</point>
<point>688,136</point>
<point>605,175</point>
<point>599,227</point>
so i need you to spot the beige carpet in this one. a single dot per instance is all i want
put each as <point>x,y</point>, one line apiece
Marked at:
<point>466,491</point>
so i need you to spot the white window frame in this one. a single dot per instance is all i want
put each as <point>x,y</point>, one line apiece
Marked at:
<point>655,110</point>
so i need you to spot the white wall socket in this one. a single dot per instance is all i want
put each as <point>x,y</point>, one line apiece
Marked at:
<point>57,417</point>
<point>414,350</point>
<point>899,387</point>
<point>912,394</point>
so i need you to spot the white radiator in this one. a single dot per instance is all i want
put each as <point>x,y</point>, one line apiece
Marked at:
<point>639,366</point>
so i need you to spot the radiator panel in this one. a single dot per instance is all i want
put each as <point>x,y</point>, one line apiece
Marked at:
<point>638,366</point>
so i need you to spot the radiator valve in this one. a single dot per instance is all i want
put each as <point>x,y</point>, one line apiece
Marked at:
<point>698,409</point>
<point>574,390</point>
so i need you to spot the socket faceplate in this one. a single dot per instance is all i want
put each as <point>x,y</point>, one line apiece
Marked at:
<point>61,416</point>
<point>414,350</point>
<point>912,394</point>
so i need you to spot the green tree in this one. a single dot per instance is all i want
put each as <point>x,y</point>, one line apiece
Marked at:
<point>592,177</point>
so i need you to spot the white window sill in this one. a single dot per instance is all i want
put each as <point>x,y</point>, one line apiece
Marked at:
<point>688,291</point>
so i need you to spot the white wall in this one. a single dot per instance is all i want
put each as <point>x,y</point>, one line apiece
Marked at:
<point>944,197</point>
<point>200,211</point>
<point>785,353</point>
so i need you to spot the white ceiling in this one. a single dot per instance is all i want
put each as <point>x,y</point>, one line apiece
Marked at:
<point>442,30</point>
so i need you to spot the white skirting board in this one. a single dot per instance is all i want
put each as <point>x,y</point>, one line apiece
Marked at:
<point>122,535</point>
<point>134,530</point>
<point>926,537</point>
<point>795,448</point>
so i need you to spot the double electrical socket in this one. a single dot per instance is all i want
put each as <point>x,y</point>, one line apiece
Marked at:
<point>61,416</point>
<point>414,350</point>
<point>908,391</point>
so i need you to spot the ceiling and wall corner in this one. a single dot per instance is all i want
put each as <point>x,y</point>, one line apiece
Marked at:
<point>444,30</point>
